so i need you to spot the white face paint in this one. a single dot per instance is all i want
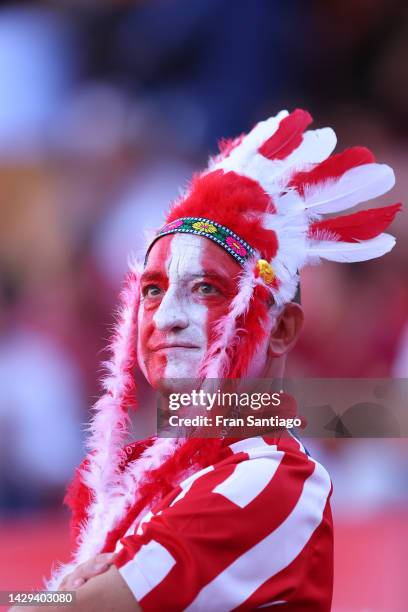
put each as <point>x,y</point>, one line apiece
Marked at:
<point>173,329</point>
<point>183,320</point>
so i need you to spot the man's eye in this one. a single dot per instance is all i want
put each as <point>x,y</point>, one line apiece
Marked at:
<point>151,291</point>
<point>206,289</point>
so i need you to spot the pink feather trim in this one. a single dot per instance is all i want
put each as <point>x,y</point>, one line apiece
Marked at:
<point>251,332</point>
<point>109,425</point>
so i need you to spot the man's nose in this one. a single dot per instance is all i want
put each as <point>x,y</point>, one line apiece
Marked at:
<point>171,314</point>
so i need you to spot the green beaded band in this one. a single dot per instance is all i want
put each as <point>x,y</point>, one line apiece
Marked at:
<point>238,248</point>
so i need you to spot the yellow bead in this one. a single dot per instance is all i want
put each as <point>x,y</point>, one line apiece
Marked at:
<point>265,270</point>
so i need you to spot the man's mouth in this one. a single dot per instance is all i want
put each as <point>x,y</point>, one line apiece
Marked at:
<point>162,346</point>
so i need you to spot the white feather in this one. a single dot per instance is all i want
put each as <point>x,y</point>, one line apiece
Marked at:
<point>315,147</point>
<point>289,202</point>
<point>356,185</point>
<point>349,252</point>
<point>249,144</point>
<point>273,175</point>
<point>291,234</point>
<point>262,131</point>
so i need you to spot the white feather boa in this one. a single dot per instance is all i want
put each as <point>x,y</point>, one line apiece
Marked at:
<point>113,492</point>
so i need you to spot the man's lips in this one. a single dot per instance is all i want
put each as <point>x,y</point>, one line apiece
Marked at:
<point>173,345</point>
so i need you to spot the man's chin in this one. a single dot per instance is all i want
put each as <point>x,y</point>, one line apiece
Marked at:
<point>165,386</point>
<point>173,374</point>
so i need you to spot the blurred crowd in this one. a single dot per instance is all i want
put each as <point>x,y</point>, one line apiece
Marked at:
<point>105,110</point>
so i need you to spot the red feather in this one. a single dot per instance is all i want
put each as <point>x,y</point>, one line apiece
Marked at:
<point>160,481</point>
<point>361,225</point>
<point>288,136</point>
<point>78,498</point>
<point>226,199</point>
<point>331,168</point>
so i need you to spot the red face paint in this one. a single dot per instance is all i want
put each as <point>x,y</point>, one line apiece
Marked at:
<point>187,286</point>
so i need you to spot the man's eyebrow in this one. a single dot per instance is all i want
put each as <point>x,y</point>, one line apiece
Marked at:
<point>211,274</point>
<point>157,276</point>
<point>152,275</point>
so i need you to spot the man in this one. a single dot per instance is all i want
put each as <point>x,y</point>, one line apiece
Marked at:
<point>221,524</point>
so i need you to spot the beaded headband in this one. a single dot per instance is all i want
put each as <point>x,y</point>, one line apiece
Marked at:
<point>238,248</point>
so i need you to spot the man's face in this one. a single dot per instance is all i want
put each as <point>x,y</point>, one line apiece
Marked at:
<point>187,285</point>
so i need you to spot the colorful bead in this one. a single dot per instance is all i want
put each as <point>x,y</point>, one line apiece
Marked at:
<point>265,271</point>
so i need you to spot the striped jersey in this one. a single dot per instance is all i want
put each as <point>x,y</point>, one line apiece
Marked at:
<point>252,531</point>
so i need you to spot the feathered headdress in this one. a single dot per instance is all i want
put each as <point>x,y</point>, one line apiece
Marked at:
<point>263,199</point>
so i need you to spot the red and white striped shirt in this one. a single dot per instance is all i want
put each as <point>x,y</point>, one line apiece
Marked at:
<point>252,531</point>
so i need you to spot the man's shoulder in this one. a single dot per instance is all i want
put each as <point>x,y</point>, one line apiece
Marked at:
<point>269,467</point>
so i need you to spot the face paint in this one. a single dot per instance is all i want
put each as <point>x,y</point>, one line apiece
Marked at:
<point>187,286</point>
<point>176,339</point>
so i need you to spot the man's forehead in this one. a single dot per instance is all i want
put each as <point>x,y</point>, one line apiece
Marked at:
<point>189,255</point>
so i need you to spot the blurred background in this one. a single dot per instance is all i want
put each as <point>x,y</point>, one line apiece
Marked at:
<point>105,110</point>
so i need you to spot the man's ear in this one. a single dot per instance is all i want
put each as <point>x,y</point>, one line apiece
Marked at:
<point>286,330</point>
